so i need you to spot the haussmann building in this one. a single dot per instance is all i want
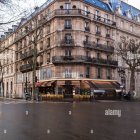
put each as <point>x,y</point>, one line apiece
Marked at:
<point>75,53</point>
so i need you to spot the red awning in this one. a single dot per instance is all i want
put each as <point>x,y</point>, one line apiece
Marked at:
<point>39,84</point>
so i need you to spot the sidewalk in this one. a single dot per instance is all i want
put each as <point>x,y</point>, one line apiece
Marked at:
<point>9,99</point>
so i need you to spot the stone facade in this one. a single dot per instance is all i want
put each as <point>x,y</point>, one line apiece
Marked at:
<point>75,39</point>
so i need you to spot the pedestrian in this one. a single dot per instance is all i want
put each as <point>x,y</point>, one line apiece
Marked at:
<point>92,95</point>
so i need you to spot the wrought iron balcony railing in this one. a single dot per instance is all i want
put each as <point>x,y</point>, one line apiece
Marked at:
<point>98,33</point>
<point>99,47</point>
<point>108,36</point>
<point>26,54</point>
<point>67,42</point>
<point>26,68</point>
<point>83,59</point>
<point>67,12</point>
<point>87,29</point>
<point>68,26</point>
<point>29,67</point>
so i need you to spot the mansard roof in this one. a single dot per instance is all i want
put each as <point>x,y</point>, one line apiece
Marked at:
<point>100,4</point>
<point>125,7</point>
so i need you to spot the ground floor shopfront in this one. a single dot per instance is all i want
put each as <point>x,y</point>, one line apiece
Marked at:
<point>76,88</point>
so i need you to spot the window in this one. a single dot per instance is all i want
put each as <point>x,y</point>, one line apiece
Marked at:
<point>48,29</point>
<point>108,74</point>
<point>108,57</point>
<point>41,45</point>
<point>87,54</point>
<point>67,5</point>
<point>87,26</point>
<point>98,72</point>
<point>106,16</point>
<point>68,24</point>
<point>41,59</point>
<point>97,41</point>
<point>67,52</point>
<point>48,42</point>
<point>107,43</point>
<point>97,29</point>
<point>68,38</point>
<point>87,38</point>
<point>87,72</point>
<point>86,11</point>
<point>98,55</point>
<point>68,73</point>
<point>48,57</point>
<point>107,31</point>
<point>97,13</point>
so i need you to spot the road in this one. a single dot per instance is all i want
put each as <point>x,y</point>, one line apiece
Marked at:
<point>20,120</point>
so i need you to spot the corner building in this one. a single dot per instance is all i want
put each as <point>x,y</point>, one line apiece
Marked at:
<point>75,49</point>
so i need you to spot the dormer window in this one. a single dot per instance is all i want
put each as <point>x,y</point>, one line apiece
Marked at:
<point>128,13</point>
<point>118,9</point>
<point>137,18</point>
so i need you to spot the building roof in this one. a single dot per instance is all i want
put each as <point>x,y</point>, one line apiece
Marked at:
<point>37,11</point>
<point>125,7</point>
<point>99,4</point>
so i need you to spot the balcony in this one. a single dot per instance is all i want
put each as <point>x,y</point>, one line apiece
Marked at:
<point>106,48</point>
<point>71,59</point>
<point>98,33</point>
<point>105,62</point>
<point>68,26</point>
<point>68,13</point>
<point>84,59</point>
<point>99,47</point>
<point>29,67</point>
<point>25,68</point>
<point>88,44</point>
<point>67,43</point>
<point>108,36</point>
<point>68,57</point>
<point>26,54</point>
<point>83,13</point>
<point>87,29</point>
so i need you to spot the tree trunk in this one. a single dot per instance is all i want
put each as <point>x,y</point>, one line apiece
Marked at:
<point>132,79</point>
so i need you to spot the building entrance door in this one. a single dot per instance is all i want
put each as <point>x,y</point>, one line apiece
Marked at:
<point>68,90</point>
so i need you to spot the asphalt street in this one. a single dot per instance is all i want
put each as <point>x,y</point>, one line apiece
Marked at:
<point>21,120</point>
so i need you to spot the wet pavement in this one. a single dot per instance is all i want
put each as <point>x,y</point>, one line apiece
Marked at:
<point>20,120</point>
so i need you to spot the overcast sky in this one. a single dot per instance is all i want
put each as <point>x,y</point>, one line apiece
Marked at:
<point>28,4</point>
<point>135,3</point>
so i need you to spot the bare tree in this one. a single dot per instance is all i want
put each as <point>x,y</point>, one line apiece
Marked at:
<point>11,12</point>
<point>129,51</point>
